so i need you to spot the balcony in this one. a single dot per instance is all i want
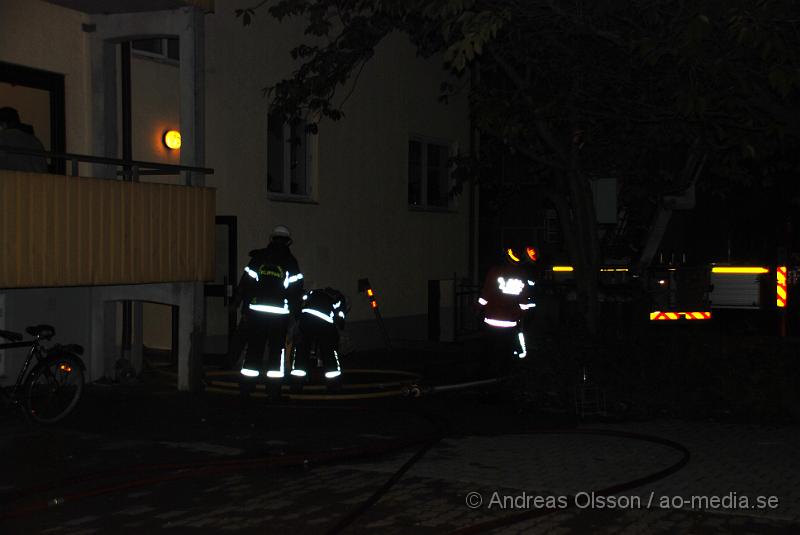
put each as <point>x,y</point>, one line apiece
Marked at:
<point>61,231</point>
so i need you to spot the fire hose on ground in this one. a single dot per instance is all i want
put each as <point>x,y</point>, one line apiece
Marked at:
<point>217,466</point>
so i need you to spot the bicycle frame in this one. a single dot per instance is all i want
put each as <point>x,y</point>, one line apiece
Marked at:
<point>36,349</point>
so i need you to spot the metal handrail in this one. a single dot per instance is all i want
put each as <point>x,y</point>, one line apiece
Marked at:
<point>135,165</point>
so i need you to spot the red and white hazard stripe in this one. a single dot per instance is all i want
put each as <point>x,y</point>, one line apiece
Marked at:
<point>660,315</point>
<point>781,286</point>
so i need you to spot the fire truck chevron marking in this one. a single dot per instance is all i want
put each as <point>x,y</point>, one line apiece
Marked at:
<point>781,286</point>
<point>659,315</point>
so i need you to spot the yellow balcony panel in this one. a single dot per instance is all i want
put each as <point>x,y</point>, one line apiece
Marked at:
<point>73,231</point>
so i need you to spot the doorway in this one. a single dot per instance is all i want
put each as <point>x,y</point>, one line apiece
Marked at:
<point>220,319</point>
<point>39,98</point>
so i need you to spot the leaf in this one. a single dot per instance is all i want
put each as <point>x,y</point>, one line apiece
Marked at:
<point>780,80</point>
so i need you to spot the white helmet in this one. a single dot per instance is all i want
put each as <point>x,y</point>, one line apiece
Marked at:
<point>281,231</point>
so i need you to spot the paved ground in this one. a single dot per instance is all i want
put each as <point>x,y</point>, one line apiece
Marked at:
<point>137,460</point>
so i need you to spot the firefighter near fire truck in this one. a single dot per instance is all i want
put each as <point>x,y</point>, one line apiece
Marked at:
<point>271,286</point>
<point>505,299</point>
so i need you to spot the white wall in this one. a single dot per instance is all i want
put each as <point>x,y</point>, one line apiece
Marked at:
<point>45,36</point>
<point>66,309</point>
<point>155,106</point>
<point>361,225</point>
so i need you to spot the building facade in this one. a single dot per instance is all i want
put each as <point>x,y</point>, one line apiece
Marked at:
<point>365,197</point>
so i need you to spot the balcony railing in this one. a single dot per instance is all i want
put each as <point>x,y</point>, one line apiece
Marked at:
<point>129,169</point>
<point>58,230</point>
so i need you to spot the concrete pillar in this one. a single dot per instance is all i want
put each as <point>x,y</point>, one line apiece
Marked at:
<point>188,24</point>
<point>109,352</point>
<point>137,346</point>
<point>192,45</point>
<point>190,345</point>
<point>187,296</point>
<point>104,103</point>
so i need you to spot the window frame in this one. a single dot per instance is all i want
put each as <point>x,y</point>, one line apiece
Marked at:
<point>452,151</point>
<point>164,56</point>
<point>312,146</point>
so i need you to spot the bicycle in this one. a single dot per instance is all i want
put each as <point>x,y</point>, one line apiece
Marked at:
<point>53,387</point>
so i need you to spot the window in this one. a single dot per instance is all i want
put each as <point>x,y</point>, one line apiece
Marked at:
<point>289,159</point>
<point>164,48</point>
<point>428,174</point>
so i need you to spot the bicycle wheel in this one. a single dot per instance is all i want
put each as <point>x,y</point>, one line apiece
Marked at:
<point>53,389</point>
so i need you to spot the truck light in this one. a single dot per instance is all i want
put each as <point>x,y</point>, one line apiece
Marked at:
<point>739,270</point>
<point>562,268</point>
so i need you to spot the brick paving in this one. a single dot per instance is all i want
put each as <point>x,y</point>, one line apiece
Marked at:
<point>430,498</point>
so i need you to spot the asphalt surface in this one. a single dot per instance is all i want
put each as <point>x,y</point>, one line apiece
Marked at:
<point>145,458</point>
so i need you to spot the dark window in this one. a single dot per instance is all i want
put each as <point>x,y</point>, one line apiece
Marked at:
<point>287,157</point>
<point>298,158</point>
<point>428,174</point>
<point>437,175</point>
<point>274,154</point>
<point>173,49</point>
<point>153,46</point>
<point>167,48</point>
<point>414,173</point>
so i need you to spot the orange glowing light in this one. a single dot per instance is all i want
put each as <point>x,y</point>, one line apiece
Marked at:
<point>172,139</point>
<point>374,304</point>
<point>369,292</point>
<point>532,253</point>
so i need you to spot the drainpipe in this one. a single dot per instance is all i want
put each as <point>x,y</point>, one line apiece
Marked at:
<point>127,154</point>
<point>474,149</point>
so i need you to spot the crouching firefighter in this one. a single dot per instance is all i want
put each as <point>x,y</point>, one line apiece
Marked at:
<point>506,296</point>
<point>322,315</point>
<point>271,287</point>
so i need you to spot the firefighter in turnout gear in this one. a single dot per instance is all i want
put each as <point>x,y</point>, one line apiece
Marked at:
<point>271,287</point>
<point>322,315</point>
<point>506,296</point>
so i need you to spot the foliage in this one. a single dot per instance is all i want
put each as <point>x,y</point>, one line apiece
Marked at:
<point>579,89</point>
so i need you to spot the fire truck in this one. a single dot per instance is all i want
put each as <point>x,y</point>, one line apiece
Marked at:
<point>678,291</point>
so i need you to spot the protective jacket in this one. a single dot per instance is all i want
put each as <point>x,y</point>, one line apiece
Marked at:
<point>326,304</point>
<point>323,311</point>
<point>506,294</point>
<point>272,282</point>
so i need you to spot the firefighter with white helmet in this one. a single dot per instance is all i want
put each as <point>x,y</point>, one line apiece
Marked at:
<point>271,288</point>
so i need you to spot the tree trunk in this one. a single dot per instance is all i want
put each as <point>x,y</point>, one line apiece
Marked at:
<point>586,255</point>
<point>578,224</point>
